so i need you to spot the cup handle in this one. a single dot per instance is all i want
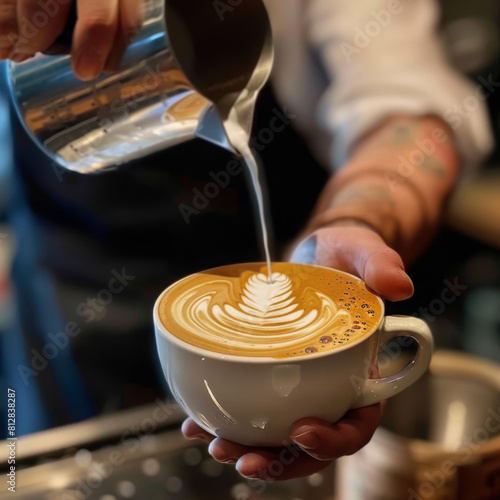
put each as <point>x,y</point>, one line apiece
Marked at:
<point>375,390</point>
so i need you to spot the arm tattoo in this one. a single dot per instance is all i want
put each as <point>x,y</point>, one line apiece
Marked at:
<point>434,167</point>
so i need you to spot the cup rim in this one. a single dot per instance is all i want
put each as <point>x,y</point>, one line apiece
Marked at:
<point>159,327</point>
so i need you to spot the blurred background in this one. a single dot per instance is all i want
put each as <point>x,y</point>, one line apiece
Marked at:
<point>155,461</point>
<point>467,248</point>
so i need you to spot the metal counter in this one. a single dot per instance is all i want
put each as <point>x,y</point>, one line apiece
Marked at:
<point>137,454</point>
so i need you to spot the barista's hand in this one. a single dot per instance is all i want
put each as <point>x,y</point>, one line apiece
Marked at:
<point>356,249</point>
<point>102,32</point>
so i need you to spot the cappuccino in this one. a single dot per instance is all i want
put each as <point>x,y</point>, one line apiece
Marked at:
<point>300,311</point>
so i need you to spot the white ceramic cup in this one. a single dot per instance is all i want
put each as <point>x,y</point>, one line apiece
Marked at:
<point>254,400</point>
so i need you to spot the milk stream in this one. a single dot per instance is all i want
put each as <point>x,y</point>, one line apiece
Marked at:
<point>239,140</point>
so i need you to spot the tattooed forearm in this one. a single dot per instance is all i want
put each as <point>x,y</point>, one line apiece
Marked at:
<point>397,180</point>
<point>363,192</point>
<point>435,167</point>
<point>402,133</point>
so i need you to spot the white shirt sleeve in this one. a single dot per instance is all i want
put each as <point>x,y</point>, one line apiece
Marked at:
<point>384,57</point>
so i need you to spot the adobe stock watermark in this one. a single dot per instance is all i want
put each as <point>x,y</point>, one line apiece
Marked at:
<point>364,35</point>
<point>137,435</point>
<point>486,87</point>
<point>92,310</point>
<point>29,28</point>
<point>420,156</point>
<point>392,351</point>
<point>436,307</point>
<point>464,454</point>
<point>153,79</point>
<point>275,468</point>
<point>221,179</point>
<point>131,440</point>
<point>222,7</point>
<point>425,148</point>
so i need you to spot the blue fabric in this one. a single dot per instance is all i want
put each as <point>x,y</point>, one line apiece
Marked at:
<point>26,348</point>
<point>6,160</point>
<point>35,314</point>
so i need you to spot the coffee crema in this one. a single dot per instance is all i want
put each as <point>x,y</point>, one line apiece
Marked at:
<point>236,310</point>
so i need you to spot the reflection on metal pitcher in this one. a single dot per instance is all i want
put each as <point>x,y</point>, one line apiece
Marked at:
<point>181,77</point>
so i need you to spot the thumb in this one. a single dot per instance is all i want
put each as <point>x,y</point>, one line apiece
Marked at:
<point>305,251</point>
<point>359,251</point>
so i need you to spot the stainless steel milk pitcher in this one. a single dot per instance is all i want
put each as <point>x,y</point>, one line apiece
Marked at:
<point>191,69</point>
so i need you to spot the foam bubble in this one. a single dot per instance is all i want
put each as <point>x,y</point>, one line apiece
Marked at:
<point>239,311</point>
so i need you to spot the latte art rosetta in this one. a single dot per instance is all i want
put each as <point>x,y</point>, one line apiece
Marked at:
<point>265,315</point>
<point>247,315</point>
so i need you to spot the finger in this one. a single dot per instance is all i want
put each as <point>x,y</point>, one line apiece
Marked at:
<point>130,23</point>
<point>228,452</point>
<point>39,24</point>
<point>95,32</point>
<point>384,273</point>
<point>192,430</point>
<point>8,27</point>
<point>324,441</point>
<point>358,251</point>
<point>269,464</point>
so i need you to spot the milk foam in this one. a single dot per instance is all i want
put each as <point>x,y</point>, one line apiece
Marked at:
<point>237,310</point>
<point>266,314</point>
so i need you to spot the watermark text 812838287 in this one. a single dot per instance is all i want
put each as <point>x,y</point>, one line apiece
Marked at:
<point>12,439</point>
<point>11,413</point>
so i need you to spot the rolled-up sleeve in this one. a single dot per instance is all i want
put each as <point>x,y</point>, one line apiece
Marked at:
<point>384,57</point>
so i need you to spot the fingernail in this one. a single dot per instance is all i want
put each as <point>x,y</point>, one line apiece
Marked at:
<point>305,253</point>
<point>252,475</point>
<point>248,476</point>
<point>198,436</point>
<point>89,64</point>
<point>404,273</point>
<point>308,440</point>
<point>228,461</point>
<point>243,469</point>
